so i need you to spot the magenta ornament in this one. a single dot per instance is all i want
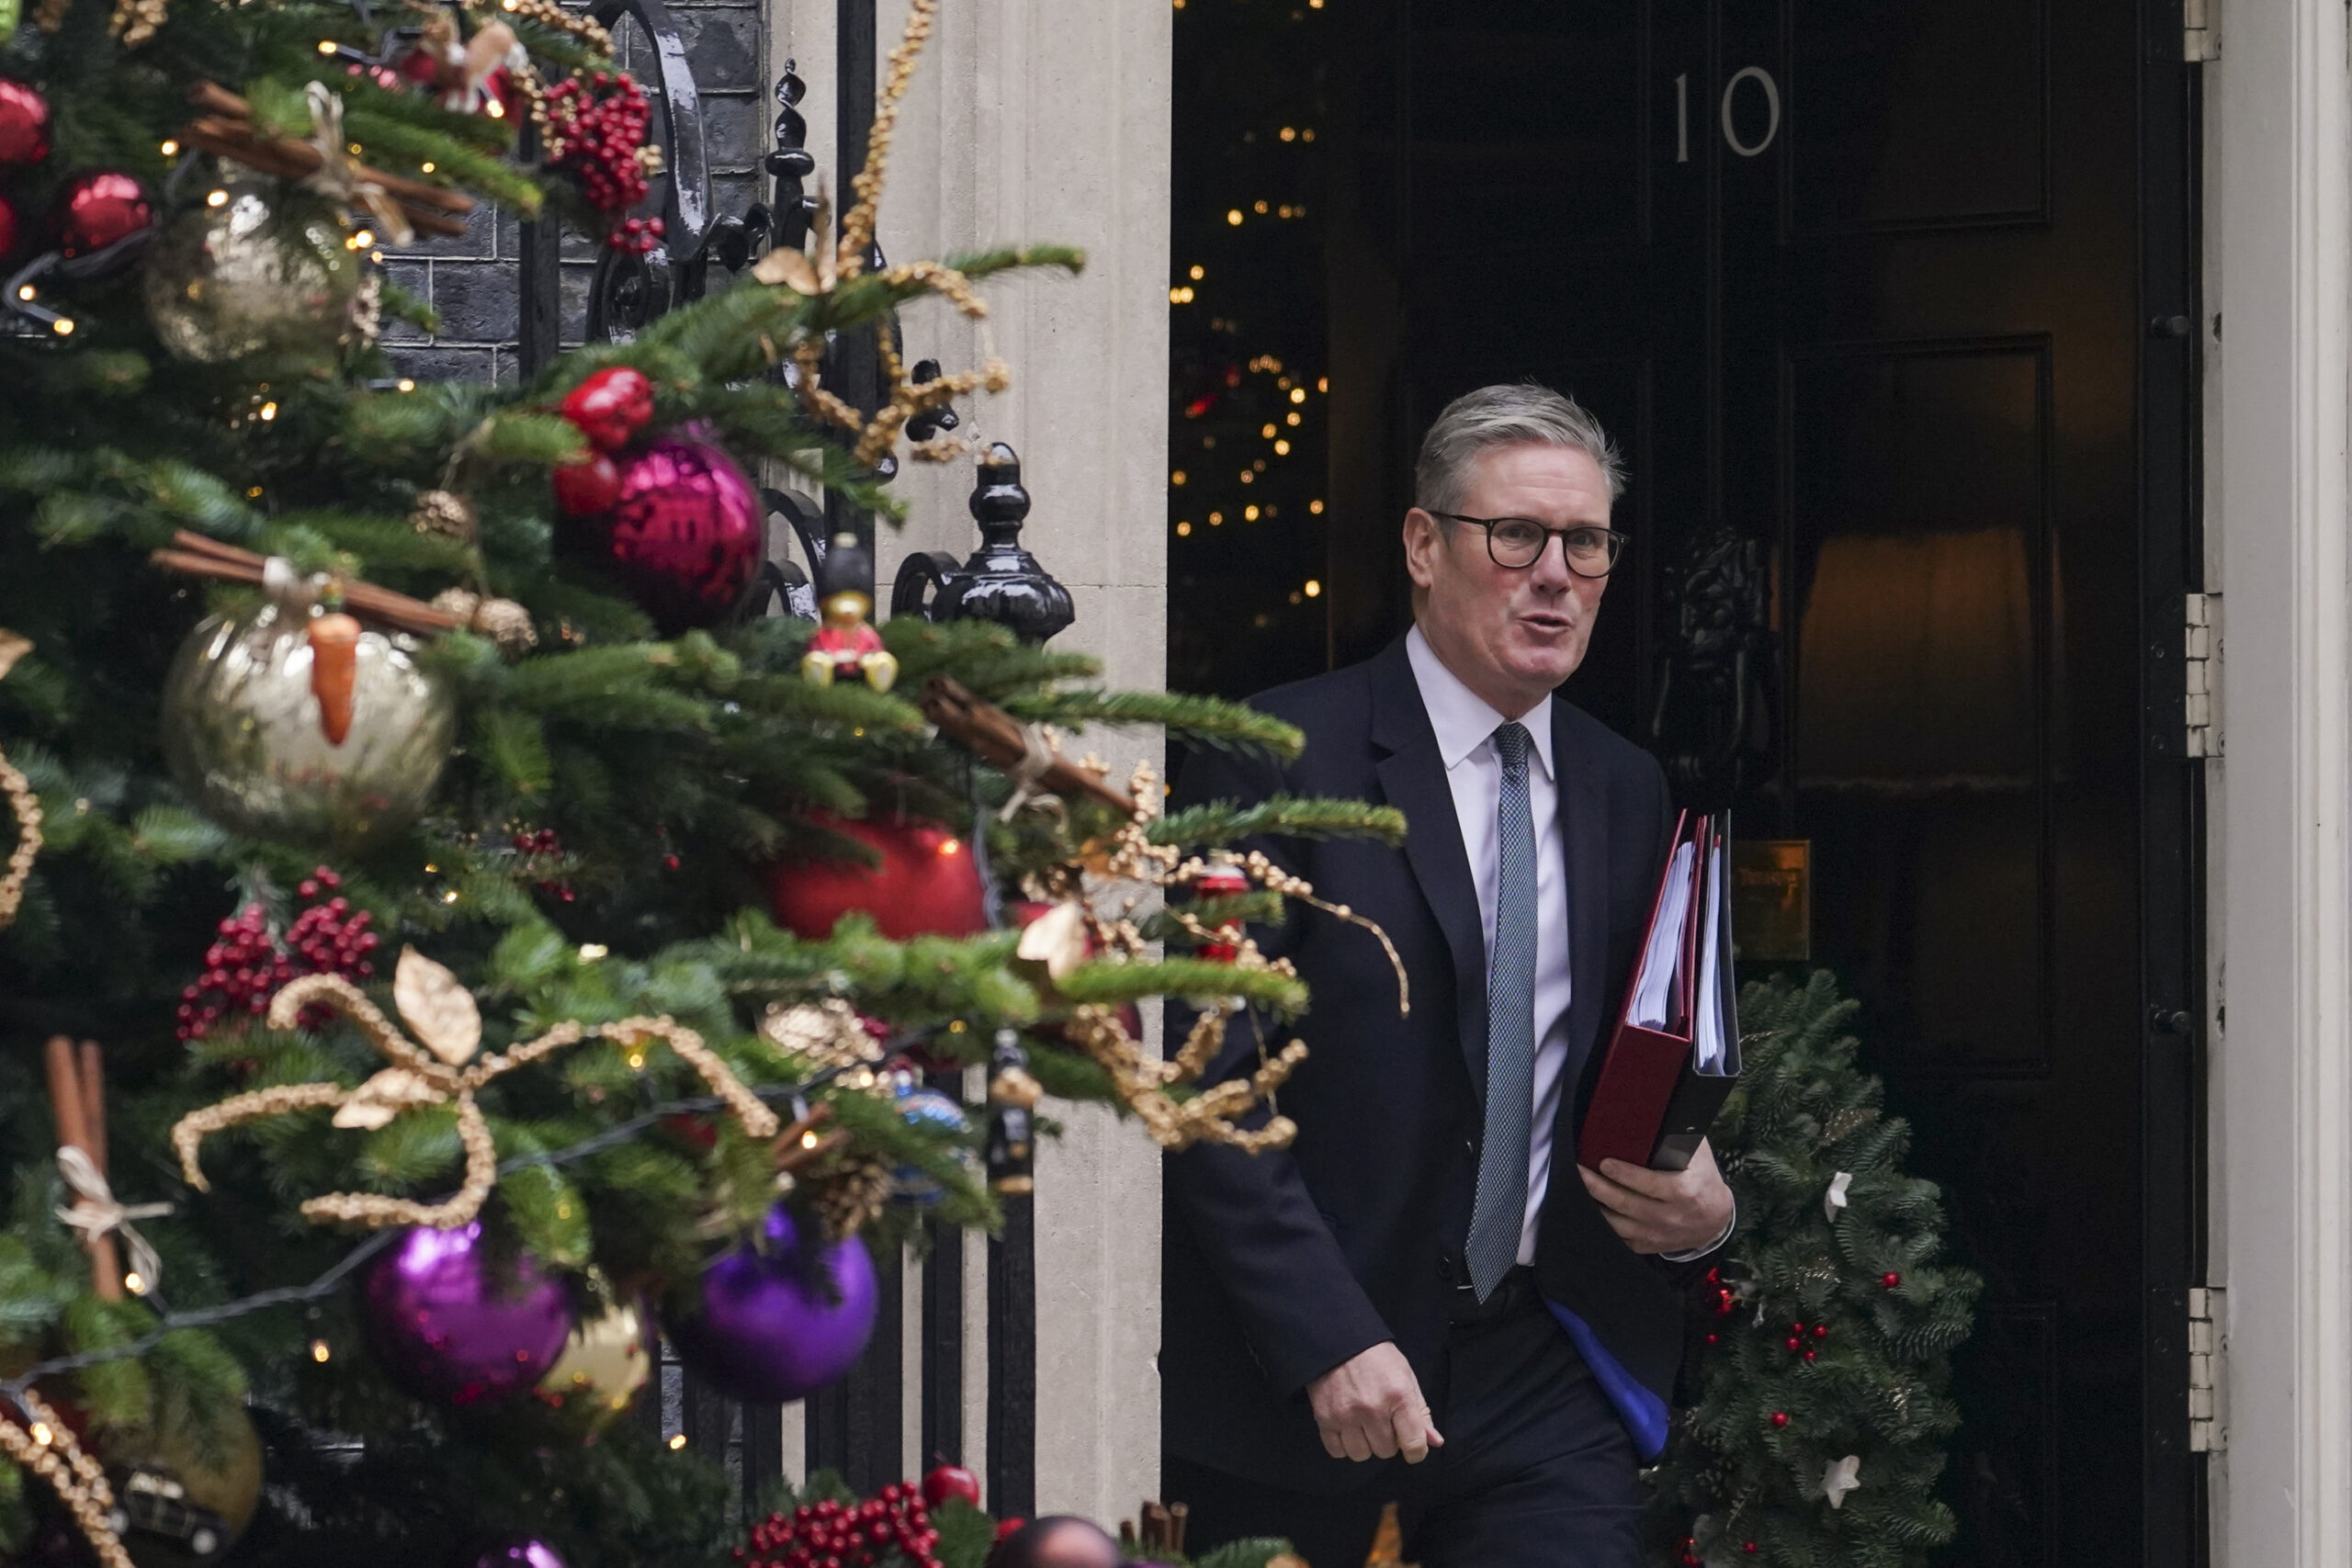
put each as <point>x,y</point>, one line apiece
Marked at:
<point>777,1324</point>
<point>448,1328</point>
<point>686,536</point>
<point>520,1554</point>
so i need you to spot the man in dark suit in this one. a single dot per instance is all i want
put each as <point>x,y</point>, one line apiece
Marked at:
<point>1427,1276</point>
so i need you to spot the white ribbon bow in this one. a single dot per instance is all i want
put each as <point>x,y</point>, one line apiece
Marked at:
<point>1037,755</point>
<point>96,1213</point>
<point>338,176</point>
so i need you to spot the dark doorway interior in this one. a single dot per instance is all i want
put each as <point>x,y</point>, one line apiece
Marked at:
<point>1895,303</point>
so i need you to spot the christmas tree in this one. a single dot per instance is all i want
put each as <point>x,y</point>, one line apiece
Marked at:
<point>449,932</point>
<point>1818,1362</point>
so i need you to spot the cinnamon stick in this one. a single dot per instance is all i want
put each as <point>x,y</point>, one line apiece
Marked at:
<point>194,555</point>
<point>271,158</point>
<point>997,737</point>
<point>93,1105</point>
<point>73,1109</point>
<point>228,111</point>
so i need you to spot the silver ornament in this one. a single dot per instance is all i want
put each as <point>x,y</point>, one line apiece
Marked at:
<point>257,270</point>
<point>243,730</point>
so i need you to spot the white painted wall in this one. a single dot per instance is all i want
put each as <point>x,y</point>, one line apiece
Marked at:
<point>1049,120</point>
<point>2278,272</point>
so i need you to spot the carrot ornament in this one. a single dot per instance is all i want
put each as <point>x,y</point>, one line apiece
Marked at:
<point>335,666</point>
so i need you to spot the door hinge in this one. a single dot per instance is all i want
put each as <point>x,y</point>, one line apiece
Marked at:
<point>2203,650</point>
<point>2200,40</point>
<point>2208,1346</point>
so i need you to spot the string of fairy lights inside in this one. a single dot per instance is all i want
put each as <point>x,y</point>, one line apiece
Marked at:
<point>1249,432</point>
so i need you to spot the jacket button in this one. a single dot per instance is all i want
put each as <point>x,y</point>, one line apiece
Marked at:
<point>1445,1266</point>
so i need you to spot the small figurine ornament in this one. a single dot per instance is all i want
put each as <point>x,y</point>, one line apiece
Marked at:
<point>846,647</point>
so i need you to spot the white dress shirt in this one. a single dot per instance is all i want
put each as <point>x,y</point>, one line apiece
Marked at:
<point>1466,727</point>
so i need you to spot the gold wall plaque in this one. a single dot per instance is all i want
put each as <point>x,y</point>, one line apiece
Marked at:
<point>1771,901</point>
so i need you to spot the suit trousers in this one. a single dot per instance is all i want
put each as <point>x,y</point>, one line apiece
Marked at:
<point>1536,1472</point>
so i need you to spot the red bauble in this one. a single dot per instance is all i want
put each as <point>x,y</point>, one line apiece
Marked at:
<point>1890,1280</point>
<point>1223,879</point>
<point>686,536</point>
<point>1821,1331</point>
<point>100,210</point>
<point>7,226</point>
<point>589,489</point>
<point>611,406</point>
<point>24,124</point>
<point>926,884</point>
<point>951,1481</point>
<point>1780,1418</point>
<point>1796,1343</point>
<point>1009,1527</point>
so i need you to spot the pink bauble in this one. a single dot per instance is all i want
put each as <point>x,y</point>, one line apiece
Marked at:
<point>925,884</point>
<point>448,1327</point>
<point>686,536</point>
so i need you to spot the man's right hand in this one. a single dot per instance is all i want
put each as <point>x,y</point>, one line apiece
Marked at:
<point>1370,1407</point>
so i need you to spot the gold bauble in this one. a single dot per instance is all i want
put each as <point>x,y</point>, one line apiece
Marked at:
<point>242,733</point>
<point>260,268</point>
<point>603,1366</point>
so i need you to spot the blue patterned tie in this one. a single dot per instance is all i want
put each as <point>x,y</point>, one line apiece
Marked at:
<point>1500,1210</point>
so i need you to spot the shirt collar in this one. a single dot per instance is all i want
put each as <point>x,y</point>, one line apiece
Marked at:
<point>1463,720</point>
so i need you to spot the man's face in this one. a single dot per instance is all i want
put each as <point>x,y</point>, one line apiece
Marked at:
<point>1510,636</point>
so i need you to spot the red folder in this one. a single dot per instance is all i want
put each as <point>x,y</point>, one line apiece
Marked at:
<point>1653,1101</point>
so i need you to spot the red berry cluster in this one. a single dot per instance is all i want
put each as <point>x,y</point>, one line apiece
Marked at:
<point>1799,1334</point>
<point>247,966</point>
<point>537,849</point>
<point>846,1535</point>
<point>599,127</point>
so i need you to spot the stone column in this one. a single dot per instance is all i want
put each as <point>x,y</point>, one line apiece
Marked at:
<point>2278,335</point>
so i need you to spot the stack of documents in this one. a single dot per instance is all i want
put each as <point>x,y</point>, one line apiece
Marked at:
<point>1674,1051</point>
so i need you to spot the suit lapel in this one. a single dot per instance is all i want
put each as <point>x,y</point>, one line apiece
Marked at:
<point>1584,832</point>
<point>1412,779</point>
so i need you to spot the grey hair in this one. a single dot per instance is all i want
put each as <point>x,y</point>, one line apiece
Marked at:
<point>1505,415</point>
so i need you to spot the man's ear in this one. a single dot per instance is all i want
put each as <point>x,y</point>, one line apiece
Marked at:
<point>1423,540</point>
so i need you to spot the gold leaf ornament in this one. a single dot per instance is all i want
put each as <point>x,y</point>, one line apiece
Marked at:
<point>439,1008</point>
<point>444,1070</point>
<point>385,1096</point>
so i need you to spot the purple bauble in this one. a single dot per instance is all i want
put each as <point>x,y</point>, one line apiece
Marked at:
<point>446,1329</point>
<point>520,1554</point>
<point>777,1325</point>
<point>687,535</point>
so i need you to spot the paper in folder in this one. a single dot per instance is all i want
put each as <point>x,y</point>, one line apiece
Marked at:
<point>1674,1051</point>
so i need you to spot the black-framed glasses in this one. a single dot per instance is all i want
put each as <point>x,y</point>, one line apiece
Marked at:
<point>1518,543</point>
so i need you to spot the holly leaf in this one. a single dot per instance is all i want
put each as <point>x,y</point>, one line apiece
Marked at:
<point>439,1010</point>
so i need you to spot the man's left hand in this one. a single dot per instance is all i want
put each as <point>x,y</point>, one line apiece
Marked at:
<point>1662,1210</point>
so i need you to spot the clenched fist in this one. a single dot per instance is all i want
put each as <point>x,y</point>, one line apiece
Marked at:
<point>1370,1407</point>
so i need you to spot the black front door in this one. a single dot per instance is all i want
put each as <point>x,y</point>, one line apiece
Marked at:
<point>1896,292</point>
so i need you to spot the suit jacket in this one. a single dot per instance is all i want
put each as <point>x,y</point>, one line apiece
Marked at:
<point>1278,1267</point>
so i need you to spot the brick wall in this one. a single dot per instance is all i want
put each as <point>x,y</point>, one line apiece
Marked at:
<point>471,278</point>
